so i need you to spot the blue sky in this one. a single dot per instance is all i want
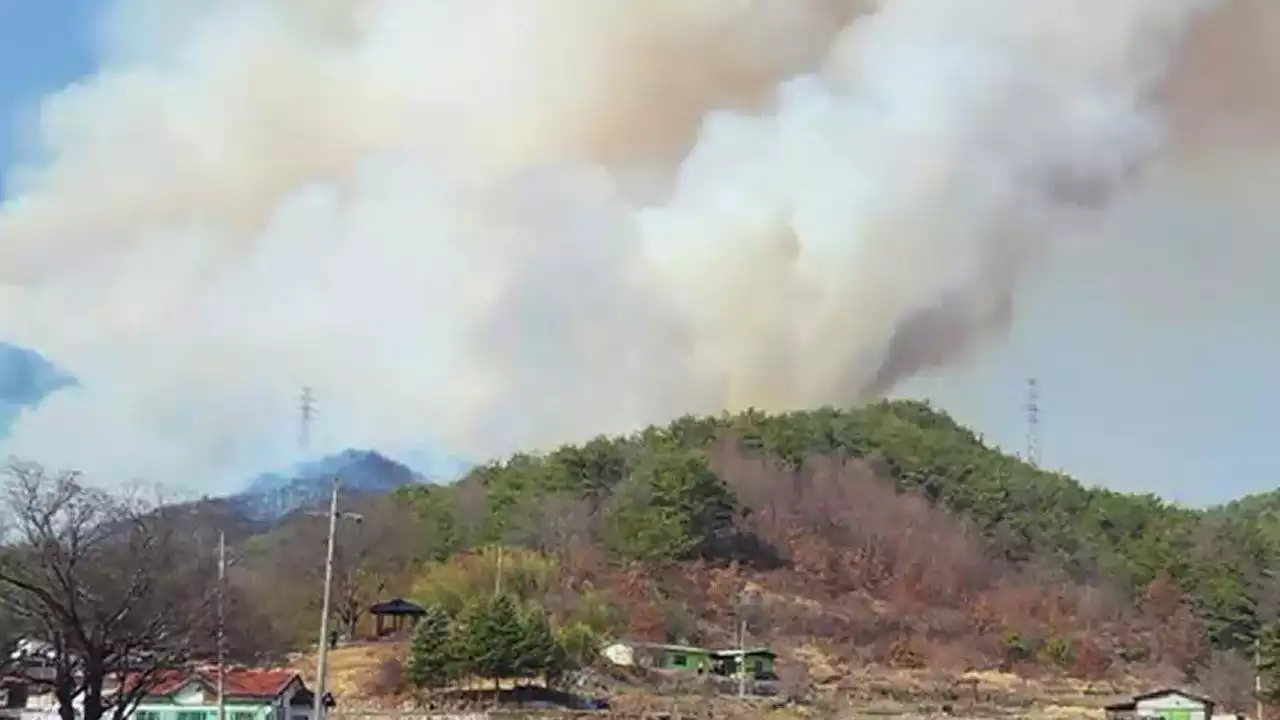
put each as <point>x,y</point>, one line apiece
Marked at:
<point>1160,393</point>
<point>43,46</point>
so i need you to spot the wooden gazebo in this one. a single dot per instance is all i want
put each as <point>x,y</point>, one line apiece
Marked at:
<point>393,616</point>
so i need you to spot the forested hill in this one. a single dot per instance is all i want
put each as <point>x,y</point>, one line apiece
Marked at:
<point>668,494</point>
<point>885,534</point>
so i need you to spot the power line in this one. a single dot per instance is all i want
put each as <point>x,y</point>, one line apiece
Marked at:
<point>1033,422</point>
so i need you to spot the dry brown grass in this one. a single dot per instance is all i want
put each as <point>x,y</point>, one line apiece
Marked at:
<point>351,668</point>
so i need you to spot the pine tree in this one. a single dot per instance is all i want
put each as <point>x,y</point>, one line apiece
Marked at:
<point>430,656</point>
<point>493,637</point>
<point>536,653</point>
<point>672,507</point>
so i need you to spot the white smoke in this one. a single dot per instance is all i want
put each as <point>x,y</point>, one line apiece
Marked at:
<point>510,223</point>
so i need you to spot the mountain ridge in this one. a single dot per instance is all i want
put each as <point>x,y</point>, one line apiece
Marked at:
<point>273,495</point>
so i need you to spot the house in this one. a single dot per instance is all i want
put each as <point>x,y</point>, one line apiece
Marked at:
<point>759,661</point>
<point>1164,704</point>
<point>248,695</point>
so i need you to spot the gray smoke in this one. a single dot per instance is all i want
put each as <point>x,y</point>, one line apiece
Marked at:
<point>504,223</point>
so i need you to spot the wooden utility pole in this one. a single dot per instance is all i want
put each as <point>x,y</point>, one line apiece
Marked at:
<point>497,575</point>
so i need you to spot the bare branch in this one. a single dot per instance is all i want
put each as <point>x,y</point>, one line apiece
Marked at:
<point>114,586</point>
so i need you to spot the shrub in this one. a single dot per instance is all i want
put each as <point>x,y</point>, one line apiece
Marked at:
<point>1055,651</point>
<point>1017,649</point>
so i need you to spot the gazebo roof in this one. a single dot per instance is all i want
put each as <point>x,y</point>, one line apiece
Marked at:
<point>397,606</point>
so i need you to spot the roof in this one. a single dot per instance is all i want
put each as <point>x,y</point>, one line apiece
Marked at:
<point>8,681</point>
<point>681,649</point>
<point>238,682</point>
<point>397,606</point>
<point>664,646</point>
<point>701,651</point>
<point>747,651</point>
<point>1162,692</point>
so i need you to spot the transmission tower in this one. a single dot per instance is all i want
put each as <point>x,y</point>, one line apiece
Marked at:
<point>306,413</point>
<point>1033,422</point>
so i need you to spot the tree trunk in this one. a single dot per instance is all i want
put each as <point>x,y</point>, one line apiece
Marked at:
<point>65,691</point>
<point>94,674</point>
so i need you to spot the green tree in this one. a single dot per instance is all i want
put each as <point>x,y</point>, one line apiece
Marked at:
<point>431,660</point>
<point>492,637</point>
<point>577,647</point>
<point>537,651</point>
<point>673,507</point>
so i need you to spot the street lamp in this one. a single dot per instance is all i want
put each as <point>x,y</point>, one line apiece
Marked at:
<point>322,661</point>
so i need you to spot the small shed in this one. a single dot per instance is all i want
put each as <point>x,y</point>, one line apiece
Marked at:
<point>758,662</point>
<point>1164,704</point>
<point>394,616</point>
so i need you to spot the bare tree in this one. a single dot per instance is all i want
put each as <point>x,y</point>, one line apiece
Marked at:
<point>116,589</point>
<point>1228,678</point>
<point>550,523</point>
<point>371,558</point>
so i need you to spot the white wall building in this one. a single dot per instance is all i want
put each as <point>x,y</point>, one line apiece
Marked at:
<point>1166,704</point>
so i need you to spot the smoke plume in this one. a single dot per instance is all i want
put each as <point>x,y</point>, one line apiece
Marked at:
<point>503,224</point>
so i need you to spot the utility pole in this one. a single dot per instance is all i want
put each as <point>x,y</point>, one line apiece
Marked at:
<point>323,655</point>
<point>497,576</point>
<point>1257,675</point>
<point>747,601</point>
<point>222,584</point>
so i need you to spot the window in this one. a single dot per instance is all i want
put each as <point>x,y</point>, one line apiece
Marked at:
<point>679,661</point>
<point>243,715</point>
<point>147,715</point>
<point>192,715</point>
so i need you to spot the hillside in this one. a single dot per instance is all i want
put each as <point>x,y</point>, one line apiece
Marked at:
<point>886,536</point>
